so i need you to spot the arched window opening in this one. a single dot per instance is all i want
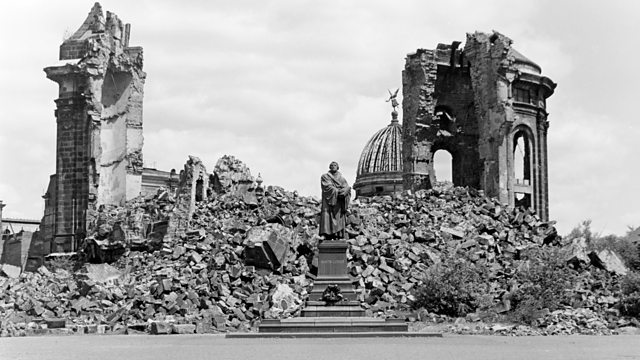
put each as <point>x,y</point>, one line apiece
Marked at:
<point>443,167</point>
<point>199,190</point>
<point>522,159</point>
<point>522,169</point>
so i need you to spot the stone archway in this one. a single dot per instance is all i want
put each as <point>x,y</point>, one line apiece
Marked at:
<point>522,169</point>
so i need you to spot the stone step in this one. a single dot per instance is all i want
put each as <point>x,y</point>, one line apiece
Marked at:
<point>316,296</point>
<point>345,285</point>
<point>332,311</point>
<point>341,303</point>
<point>332,324</point>
<point>334,279</point>
<point>330,335</point>
<point>336,319</point>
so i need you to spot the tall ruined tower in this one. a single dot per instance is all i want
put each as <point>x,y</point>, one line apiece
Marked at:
<point>486,105</point>
<point>99,126</point>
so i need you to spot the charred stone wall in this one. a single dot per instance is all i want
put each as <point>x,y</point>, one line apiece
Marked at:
<point>99,124</point>
<point>481,103</point>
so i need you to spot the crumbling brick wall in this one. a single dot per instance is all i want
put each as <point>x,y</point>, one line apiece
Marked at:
<point>99,123</point>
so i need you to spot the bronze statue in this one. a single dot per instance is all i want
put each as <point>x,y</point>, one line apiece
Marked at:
<point>336,194</point>
<point>393,98</point>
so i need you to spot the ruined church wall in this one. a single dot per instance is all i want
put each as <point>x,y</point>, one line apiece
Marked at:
<point>455,93</point>
<point>429,86</point>
<point>120,136</point>
<point>99,132</point>
<point>418,104</point>
<point>475,89</point>
<point>72,168</point>
<point>491,92</point>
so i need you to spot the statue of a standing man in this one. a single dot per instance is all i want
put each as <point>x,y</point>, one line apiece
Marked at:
<point>336,194</point>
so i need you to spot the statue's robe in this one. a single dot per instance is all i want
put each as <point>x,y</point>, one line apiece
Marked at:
<point>336,194</point>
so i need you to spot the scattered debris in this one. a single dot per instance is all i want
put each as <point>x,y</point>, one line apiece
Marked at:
<point>233,263</point>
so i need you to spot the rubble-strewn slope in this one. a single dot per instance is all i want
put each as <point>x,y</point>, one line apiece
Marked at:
<point>246,246</point>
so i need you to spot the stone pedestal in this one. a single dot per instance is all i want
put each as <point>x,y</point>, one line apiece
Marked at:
<point>332,258</point>
<point>332,270</point>
<point>344,316</point>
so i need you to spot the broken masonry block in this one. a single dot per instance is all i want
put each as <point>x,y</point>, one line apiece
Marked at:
<point>276,247</point>
<point>160,328</point>
<point>608,260</point>
<point>102,329</point>
<point>219,321</point>
<point>55,323</point>
<point>455,233</point>
<point>203,327</point>
<point>184,328</point>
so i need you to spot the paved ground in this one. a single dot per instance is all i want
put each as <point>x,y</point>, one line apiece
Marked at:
<point>192,347</point>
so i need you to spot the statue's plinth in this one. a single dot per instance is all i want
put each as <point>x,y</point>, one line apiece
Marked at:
<point>345,315</point>
<point>332,270</point>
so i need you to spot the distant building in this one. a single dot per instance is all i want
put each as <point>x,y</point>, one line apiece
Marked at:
<point>20,242</point>
<point>380,164</point>
<point>153,180</point>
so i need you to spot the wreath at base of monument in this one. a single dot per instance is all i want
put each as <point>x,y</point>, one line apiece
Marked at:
<point>332,294</point>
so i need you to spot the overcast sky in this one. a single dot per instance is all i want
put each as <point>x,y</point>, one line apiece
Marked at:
<point>288,86</point>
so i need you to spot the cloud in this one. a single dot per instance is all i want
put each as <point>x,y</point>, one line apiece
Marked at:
<point>591,161</point>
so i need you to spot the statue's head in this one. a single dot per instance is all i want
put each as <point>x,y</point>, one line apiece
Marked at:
<point>333,167</point>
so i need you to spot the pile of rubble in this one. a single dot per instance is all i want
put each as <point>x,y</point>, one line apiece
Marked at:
<point>225,252</point>
<point>196,278</point>
<point>399,237</point>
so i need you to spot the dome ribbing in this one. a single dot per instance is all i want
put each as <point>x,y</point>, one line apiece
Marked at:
<point>380,166</point>
<point>383,152</point>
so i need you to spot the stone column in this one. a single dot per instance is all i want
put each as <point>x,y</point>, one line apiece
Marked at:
<point>544,174</point>
<point>73,150</point>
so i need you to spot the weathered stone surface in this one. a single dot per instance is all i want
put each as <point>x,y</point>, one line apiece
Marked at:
<point>576,252</point>
<point>609,261</point>
<point>160,328</point>
<point>184,328</point>
<point>285,301</point>
<point>9,270</point>
<point>231,175</point>
<point>256,252</point>
<point>99,125</point>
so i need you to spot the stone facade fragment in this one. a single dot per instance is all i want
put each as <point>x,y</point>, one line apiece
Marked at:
<point>193,187</point>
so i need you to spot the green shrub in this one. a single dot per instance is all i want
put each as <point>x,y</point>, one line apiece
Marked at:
<point>545,283</point>
<point>69,263</point>
<point>454,287</point>
<point>630,297</point>
<point>583,230</point>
